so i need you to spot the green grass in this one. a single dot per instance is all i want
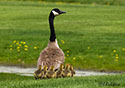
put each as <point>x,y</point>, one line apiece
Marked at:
<point>16,81</point>
<point>104,2</point>
<point>91,33</point>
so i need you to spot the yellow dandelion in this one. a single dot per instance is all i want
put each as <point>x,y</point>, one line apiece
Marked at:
<point>19,60</point>
<point>25,49</point>
<point>123,49</point>
<point>18,50</point>
<point>116,60</point>
<point>35,47</point>
<point>24,42</point>
<point>11,46</point>
<point>11,49</point>
<point>67,51</point>
<point>114,51</point>
<point>67,55</point>
<point>116,57</point>
<point>88,47</point>
<point>74,58</point>
<point>17,43</point>
<point>26,46</point>
<point>21,42</point>
<point>100,56</point>
<point>62,41</point>
<point>23,62</point>
<point>14,41</point>
<point>18,47</point>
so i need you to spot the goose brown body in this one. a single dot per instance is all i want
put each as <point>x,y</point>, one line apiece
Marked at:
<point>52,55</point>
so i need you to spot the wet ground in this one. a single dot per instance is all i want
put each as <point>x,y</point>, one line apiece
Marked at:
<point>30,71</point>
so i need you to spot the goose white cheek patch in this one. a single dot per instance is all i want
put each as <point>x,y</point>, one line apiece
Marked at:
<point>55,13</point>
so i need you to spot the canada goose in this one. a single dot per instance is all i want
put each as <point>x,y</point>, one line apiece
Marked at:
<point>51,72</point>
<point>72,70</point>
<point>52,55</point>
<point>37,73</point>
<point>60,71</point>
<point>66,72</point>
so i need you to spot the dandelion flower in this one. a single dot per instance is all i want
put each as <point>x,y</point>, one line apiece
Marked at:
<point>18,47</point>
<point>19,60</point>
<point>67,51</point>
<point>26,46</point>
<point>24,42</point>
<point>116,57</point>
<point>21,42</point>
<point>11,46</point>
<point>116,60</point>
<point>74,58</point>
<point>114,51</point>
<point>18,50</point>
<point>67,55</point>
<point>123,49</point>
<point>11,49</point>
<point>17,43</point>
<point>23,62</point>
<point>14,41</point>
<point>25,49</point>
<point>35,47</point>
<point>88,47</point>
<point>100,56</point>
<point>62,41</point>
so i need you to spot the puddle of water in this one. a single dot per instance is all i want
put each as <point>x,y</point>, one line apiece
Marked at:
<point>30,71</point>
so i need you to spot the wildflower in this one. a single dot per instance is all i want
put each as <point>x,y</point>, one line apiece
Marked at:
<point>14,41</point>
<point>21,42</point>
<point>74,58</point>
<point>18,47</point>
<point>116,57</point>
<point>114,51</point>
<point>18,50</point>
<point>100,56</point>
<point>62,41</point>
<point>11,49</point>
<point>17,42</point>
<point>26,46</point>
<point>116,60</point>
<point>22,62</point>
<point>24,42</point>
<point>35,47</point>
<point>88,47</point>
<point>19,60</point>
<point>123,49</point>
<point>67,51</point>
<point>25,49</point>
<point>11,46</point>
<point>67,55</point>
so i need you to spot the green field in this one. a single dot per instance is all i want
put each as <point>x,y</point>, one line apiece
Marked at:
<point>92,36</point>
<point>16,81</point>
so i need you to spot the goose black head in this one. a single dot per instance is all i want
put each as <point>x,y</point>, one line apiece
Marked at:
<point>57,12</point>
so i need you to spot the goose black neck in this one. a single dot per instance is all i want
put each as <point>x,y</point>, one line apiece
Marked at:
<point>52,30</point>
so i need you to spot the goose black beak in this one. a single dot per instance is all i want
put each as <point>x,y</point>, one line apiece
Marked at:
<point>62,12</point>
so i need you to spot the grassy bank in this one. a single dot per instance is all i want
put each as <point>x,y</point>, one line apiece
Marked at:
<point>92,36</point>
<point>16,81</point>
